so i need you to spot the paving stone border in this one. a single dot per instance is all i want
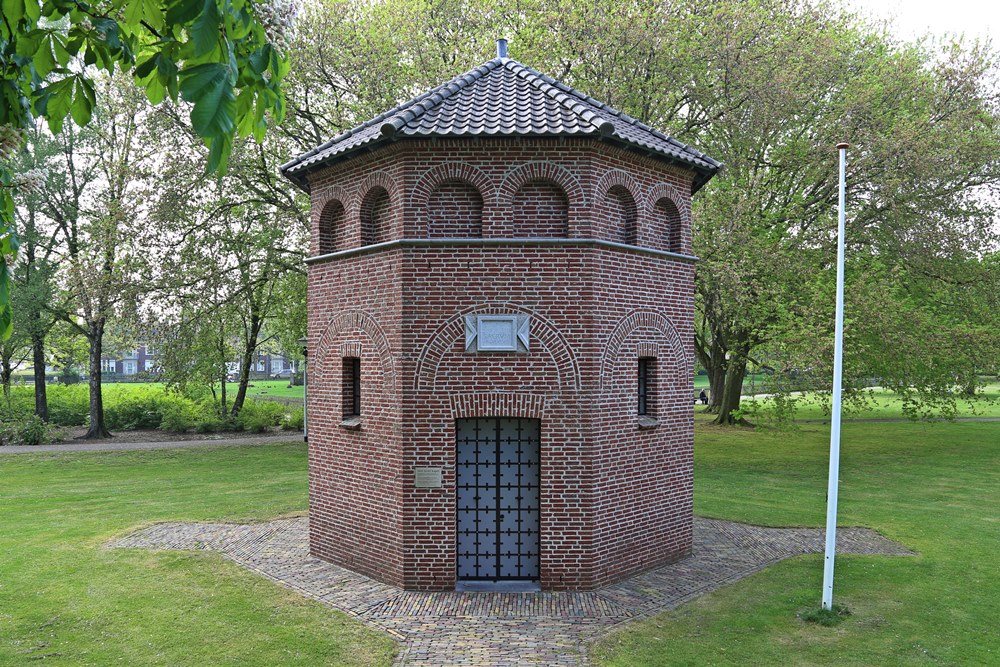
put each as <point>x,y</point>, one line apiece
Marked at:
<point>503,629</point>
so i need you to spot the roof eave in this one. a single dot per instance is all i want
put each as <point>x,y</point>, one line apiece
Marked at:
<point>300,176</point>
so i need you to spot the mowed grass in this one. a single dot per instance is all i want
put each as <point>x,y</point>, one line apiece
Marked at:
<point>933,487</point>
<point>67,600</point>
<point>883,404</point>
<point>256,388</point>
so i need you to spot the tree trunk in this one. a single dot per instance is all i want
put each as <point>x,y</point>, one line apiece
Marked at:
<point>713,359</point>
<point>225,377</point>
<point>249,347</point>
<point>716,387</point>
<point>6,371</point>
<point>97,430</point>
<point>731,393</point>
<point>38,364</point>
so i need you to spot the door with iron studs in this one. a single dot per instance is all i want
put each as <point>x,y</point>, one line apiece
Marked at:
<point>497,475</point>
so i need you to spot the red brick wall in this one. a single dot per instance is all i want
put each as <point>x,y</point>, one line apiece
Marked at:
<point>455,209</point>
<point>616,498</point>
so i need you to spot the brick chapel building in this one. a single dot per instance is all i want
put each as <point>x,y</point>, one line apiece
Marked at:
<point>501,302</point>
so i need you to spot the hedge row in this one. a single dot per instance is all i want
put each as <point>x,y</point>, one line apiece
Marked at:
<point>136,407</point>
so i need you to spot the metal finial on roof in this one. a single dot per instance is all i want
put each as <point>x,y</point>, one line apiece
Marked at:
<point>501,48</point>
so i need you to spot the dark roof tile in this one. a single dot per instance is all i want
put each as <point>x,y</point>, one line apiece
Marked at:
<point>503,96</point>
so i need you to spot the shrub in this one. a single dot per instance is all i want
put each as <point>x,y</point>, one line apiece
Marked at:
<point>180,414</point>
<point>30,430</point>
<point>294,420</point>
<point>68,405</point>
<point>258,416</point>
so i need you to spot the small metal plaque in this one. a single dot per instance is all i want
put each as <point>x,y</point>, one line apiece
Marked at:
<point>427,478</point>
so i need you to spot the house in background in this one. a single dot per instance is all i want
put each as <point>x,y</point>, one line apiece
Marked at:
<point>265,366</point>
<point>140,365</point>
<point>136,364</point>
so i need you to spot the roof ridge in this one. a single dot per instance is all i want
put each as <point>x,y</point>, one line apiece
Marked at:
<point>475,73</point>
<point>437,95</point>
<point>548,86</point>
<point>634,122</point>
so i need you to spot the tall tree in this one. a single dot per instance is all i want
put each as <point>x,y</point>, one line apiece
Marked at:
<point>217,55</point>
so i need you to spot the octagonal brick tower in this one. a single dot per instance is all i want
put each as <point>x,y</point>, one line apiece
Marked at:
<point>501,301</point>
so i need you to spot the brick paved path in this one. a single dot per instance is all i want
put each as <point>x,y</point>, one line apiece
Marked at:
<point>503,629</point>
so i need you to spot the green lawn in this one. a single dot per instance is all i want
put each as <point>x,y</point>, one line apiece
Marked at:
<point>257,388</point>
<point>66,599</point>
<point>887,405</point>
<point>933,487</point>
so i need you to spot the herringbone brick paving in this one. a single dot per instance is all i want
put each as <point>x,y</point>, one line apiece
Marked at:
<point>503,629</point>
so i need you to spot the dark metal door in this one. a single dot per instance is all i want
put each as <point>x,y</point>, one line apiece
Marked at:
<point>498,481</point>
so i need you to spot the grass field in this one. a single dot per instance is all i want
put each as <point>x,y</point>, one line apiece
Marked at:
<point>887,405</point>
<point>257,388</point>
<point>66,600</point>
<point>933,487</point>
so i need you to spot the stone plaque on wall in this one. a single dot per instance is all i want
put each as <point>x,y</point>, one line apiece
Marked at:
<point>497,333</point>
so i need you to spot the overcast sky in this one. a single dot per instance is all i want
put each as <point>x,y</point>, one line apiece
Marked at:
<point>975,18</point>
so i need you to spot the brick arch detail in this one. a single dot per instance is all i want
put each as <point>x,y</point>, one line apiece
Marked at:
<point>543,171</point>
<point>619,177</point>
<point>630,323</point>
<point>354,320</point>
<point>329,194</point>
<point>435,176</point>
<point>522,406</point>
<point>543,333</point>
<point>671,192</point>
<point>375,179</point>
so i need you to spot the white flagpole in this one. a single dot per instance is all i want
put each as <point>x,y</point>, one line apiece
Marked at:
<point>838,366</point>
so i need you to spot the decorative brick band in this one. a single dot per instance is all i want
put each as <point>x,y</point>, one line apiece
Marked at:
<point>353,320</point>
<point>508,242</point>
<point>524,406</point>
<point>642,319</point>
<point>544,335</point>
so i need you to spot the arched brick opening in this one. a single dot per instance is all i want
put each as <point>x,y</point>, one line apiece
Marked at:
<point>622,214</point>
<point>667,225</point>
<point>375,210</point>
<point>455,210</point>
<point>540,210</point>
<point>332,227</point>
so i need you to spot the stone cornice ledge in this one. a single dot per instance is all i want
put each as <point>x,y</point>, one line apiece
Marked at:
<point>499,242</point>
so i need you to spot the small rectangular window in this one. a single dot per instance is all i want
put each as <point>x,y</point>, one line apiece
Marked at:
<point>647,383</point>
<point>352,387</point>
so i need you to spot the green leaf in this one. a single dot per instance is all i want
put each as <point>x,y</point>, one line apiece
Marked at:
<point>149,11</point>
<point>197,80</point>
<point>219,149</point>
<point>182,12</point>
<point>209,87</point>
<point>81,107</point>
<point>43,60</point>
<point>29,43</point>
<point>32,10</point>
<point>155,92</point>
<point>204,30</point>
<point>146,67</point>
<point>13,11</point>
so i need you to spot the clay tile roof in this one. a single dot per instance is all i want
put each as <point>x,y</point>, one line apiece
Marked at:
<point>502,97</point>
